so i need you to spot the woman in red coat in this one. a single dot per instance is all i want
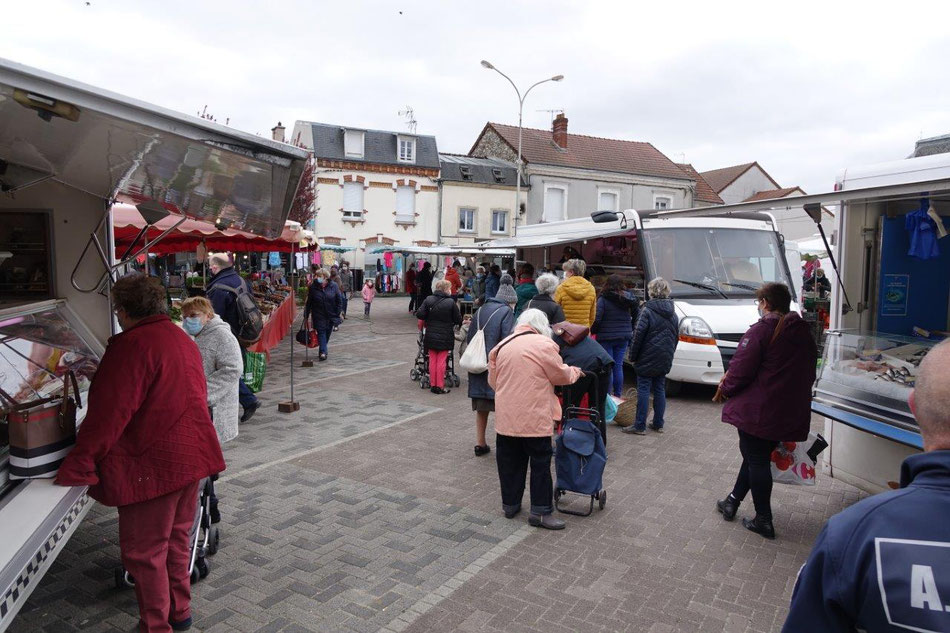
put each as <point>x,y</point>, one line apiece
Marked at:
<point>145,444</point>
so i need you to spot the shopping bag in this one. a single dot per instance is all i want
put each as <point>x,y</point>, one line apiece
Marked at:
<point>475,358</point>
<point>627,409</point>
<point>255,364</point>
<point>42,431</point>
<point>610,408</point>
<point>794,463</point>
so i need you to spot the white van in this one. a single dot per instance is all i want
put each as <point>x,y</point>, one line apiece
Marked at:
<point>713,265</point>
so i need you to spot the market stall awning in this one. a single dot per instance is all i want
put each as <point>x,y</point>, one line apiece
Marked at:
<point>337,248</point>
<point>128,222</point>
<point>534,241</point>
<point>117,148</point>
<point>443,250</point>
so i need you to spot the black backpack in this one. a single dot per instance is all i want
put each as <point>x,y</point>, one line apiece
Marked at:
<point>251,319</point>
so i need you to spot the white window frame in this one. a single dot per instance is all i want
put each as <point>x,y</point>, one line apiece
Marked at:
<point>554,185</point>
<point>504,231</point>
<point>362,137</point>
<point>614,192</point>
<point>474,228</point>
<point>411,217</point>
<point>349,214</point>
<point>662,196</point>
<point>412,144</point>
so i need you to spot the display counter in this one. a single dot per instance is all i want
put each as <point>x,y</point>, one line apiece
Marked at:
<point>865,381</point>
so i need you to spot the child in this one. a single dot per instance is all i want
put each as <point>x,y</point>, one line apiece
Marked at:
<point>369,293</point>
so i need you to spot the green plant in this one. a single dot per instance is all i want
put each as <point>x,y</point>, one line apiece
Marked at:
<point>196,281</point>
<point>302,294</point>
<point>174,313</point>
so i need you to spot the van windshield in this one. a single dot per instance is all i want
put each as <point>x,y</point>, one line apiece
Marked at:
<point>715,261</point>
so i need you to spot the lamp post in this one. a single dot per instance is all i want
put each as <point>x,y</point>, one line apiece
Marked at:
<point>521,99</point>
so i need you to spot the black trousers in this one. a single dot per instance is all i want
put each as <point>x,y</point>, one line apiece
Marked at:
<point>596,386</point>
<point>513,454</point>
<point>755,473</point>
<point>412,301</point>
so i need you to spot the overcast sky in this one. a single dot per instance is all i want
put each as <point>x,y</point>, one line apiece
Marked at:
<point>805,88</point>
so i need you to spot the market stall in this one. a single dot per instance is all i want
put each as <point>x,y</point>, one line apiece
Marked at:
<point>279,309</point>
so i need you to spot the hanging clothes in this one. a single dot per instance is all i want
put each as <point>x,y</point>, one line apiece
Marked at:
<point>274,259</point>
<point>388,259</point>
<point>379,266</point>
<point>317,258</point>
<point>923,232</point>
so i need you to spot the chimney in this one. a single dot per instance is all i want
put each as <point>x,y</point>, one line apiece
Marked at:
<point>277,133</point>
<point>559,131</point>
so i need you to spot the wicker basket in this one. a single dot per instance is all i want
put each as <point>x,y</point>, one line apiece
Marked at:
<point>627,410</point>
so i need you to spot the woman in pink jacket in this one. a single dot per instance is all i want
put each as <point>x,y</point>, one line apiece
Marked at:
<point>523,370</point>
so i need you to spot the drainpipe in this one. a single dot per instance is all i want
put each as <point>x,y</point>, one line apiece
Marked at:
<point>438,239</point>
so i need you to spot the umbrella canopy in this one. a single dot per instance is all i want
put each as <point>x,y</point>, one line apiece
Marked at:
<point>127,222</point>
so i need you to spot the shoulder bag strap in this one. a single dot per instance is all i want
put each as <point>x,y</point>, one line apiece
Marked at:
<point>510,339</point>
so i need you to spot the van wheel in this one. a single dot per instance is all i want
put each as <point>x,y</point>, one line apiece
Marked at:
<point>673,388</point>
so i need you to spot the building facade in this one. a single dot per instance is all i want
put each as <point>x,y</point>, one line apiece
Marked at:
<point>572,175</point>
<point>372,187</point>
<point>477,199</point>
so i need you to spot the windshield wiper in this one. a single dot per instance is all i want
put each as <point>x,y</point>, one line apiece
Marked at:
<point>696,284</point>
<point>746,286</point>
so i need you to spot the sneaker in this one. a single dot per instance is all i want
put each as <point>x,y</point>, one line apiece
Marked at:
<point>482,450</point>
<point>250,410</point>
<point>761,526</point>
<point>183,625</point>
<point>728,507</point>
<point>632,430</point>
<point>336,328</point>
<point>658,429</point>
<point>322,357</point>
<point>546,521</point>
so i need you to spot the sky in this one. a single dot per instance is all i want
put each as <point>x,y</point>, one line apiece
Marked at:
<point>804,88</point>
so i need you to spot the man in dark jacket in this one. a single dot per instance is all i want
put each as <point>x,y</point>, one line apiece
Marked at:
<point>496,319</point>
<point>146,442</point>
<point>424,283</point>
<point>652,348</point>
<point>224,303</point>
<point>493,282</point>
<point>883,564</point>
<point>324,306</point>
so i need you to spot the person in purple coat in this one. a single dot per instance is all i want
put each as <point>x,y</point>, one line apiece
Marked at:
<point>768,391</point>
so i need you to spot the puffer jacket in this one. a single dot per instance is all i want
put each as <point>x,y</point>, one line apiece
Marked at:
<point>526,290</point>
<point>324,305</point>
<point>547,305</point>
<point>579,300</point>
<point>441,315</point>
<point>496,327</point>
<point>655,338</point>
<point>147,431</point>
<point>223,365</point>
<point>223,301</point>
<point>616,315</point>
<point>492,282</point>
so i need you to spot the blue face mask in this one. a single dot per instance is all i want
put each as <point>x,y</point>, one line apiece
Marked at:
<point>193,325</point>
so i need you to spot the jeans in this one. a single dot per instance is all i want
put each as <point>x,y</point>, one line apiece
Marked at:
<point>366,305</point>
<point>345,300</point>
<point>755,473</point>
<point>412,302</point>
<point>154,543</point>
<point>438,360</point>
<point>323,335</point>
<point>513,454</point>
<point>617,350</point>
<point>245,396</point>
<point>646,384</point>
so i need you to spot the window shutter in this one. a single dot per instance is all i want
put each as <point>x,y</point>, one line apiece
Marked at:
<point>405,203</point>
<point>553,204</point>
<point>353,197</point>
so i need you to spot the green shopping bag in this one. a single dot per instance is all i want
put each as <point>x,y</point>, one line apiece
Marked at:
<point>255,364</point>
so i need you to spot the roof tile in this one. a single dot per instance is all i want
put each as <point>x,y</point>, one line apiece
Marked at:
<point>704,193</point>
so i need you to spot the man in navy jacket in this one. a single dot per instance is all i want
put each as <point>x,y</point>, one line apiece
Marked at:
<point>884,563</point>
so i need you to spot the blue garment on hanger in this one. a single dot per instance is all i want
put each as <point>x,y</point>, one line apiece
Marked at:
<point>923,232</point>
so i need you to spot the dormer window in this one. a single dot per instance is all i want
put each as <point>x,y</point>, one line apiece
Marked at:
<point>407,149</point>
<point>466,172</point>
<point>353,143</point>
<point>497,173</point>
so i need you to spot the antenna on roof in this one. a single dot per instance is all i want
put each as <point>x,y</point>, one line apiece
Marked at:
<point>410,118</point>
<point>553,112</point>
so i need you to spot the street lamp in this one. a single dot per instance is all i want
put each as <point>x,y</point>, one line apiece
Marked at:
<point>521,99</point>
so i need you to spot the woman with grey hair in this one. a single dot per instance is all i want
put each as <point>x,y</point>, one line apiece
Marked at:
<point>652,348</point>
<point>544,301</point>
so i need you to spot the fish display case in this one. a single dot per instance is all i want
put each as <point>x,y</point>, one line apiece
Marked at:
<point>869,376</point>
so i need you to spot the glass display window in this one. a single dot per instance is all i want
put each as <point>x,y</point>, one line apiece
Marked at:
<point>25,257</point>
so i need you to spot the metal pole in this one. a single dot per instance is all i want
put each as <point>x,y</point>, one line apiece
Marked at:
<point>292,405</point>
<point>517,208</point>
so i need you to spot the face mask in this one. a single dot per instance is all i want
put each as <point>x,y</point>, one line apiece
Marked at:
<point>322,281</point>
<point>193,325</point>
<point>761,311</point>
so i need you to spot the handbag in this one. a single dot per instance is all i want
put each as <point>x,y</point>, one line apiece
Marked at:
<point>308,337</point>
<point>571,333</point>
<point>475,358</point>
<point>42,431</point>
<point>719,397</point>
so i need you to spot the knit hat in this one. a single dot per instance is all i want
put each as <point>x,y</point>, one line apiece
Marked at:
<point>506,292</point>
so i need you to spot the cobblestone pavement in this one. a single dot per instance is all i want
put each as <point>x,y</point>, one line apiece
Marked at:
<point>367,511</point>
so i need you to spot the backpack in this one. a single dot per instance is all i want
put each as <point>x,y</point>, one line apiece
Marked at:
<point>251,319</point>
<point>475,358</point>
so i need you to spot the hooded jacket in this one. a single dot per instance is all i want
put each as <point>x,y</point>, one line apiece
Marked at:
<point>616,315</point>
<point>224,302</point>
<point>492,282</point>
<point>147,431</point>
<point>655,338</point>
<point>453,278</point>
<point>223,365</point>
<point>497,320</point>
<point>526,290</point>
<point>883,563</point>
<point>441,314</point>
<point>769,383</point>
<point>424,283</point>
<point>579,300</point>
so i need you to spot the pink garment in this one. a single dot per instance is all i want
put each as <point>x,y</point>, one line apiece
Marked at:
<point>388,259</point>
<point>316,258</point>
<point>438,359</point>
<point>369,293</point>
<point>523,377</point>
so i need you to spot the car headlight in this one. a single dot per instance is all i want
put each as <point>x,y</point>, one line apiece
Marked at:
<point>695,330</point>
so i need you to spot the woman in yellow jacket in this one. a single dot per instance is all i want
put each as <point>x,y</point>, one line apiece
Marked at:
<point>577,295</point>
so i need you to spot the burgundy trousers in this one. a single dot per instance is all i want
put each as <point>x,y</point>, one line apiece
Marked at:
<point>154,539</point>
